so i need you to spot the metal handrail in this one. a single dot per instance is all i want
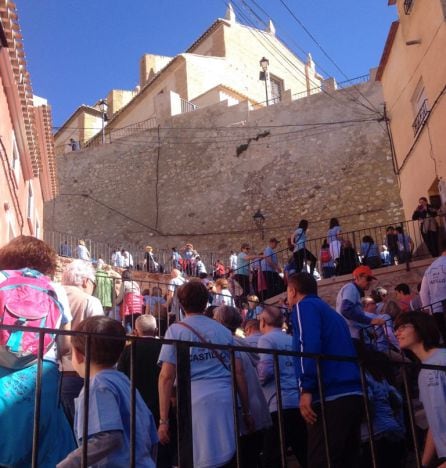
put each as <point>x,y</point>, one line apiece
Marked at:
<point>378,233</point>
<point>183,388</point>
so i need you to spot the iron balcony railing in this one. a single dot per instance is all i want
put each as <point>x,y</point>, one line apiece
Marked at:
<point>111,134</point>
<point>421,117</point>
<point>341,85</point>
<point>187,106</point>
<point>408,4</point>
<point>184,439</point>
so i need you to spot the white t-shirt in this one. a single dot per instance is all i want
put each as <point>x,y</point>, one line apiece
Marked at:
<point>433,286</point>
<point>223,298</point>
<point>82,252</point>
<point>174,283</point>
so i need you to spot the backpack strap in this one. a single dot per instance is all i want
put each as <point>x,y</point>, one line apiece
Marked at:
<point>200,337</point>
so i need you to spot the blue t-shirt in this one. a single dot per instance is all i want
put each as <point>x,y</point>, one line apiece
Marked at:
<point>153,300</point>
<point>277,339</point>
<point>299,239</point>
<point>211,391</point>
<point>269,252</point>
<point>432,385</point>
<point>109,410</point>
<point>387,409</point>
<point>348,304</point>
<point>332,234</point>
<point>369,250</point>
<point>204,363</point>
<point>242,264</point>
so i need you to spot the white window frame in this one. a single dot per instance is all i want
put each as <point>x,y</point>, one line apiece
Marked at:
<point>15,160</point>
<point>30,201</point>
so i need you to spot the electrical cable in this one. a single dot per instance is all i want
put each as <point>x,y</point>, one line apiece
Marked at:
<point>210,233</point>
<point>88,196</point>
<point>233,128</point>
<point>157,178</point>
<point>354,99</point>
<point>187,141</point>
<point>420,61</point>
<point>300,23</point>
<point>252,28</point>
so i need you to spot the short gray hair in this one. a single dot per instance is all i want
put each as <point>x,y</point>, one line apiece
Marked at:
<point>146,324</point>
<point>76,272</point>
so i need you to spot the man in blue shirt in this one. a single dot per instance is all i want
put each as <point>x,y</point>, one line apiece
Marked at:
<point>348,302</point>
<point>271,321</point>
<point>319,329</point>
<point>271,269</point>
<point>241,274</point>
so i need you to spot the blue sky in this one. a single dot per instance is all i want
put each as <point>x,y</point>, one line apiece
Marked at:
<point>77,50</point>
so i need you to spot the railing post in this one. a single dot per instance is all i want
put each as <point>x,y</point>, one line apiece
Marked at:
<point>37,402</point>
<point>84,460</point>
<point>132,403</point>
<point>323,412</point>
<point>279,409</point>
<point>368,415</point>
<point>411,416</point>
<point>235,408</point>
<point>184,411</point>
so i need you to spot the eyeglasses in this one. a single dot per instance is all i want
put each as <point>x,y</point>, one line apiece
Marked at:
<point>92,282</point>
<point>404,326</point>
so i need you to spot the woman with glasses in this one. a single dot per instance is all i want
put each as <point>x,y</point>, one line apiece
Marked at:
<point>418,332</point>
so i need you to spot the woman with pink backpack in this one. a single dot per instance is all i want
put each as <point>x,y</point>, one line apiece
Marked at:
<point>28,298</point>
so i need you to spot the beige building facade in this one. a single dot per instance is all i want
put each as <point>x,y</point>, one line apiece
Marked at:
<point>203,175</point>
<point>413,75</point>
<point>221,65</point>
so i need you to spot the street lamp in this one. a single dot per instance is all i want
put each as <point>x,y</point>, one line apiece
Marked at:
<point>259,221</point>
<point>103,106</point>
<point>264,64</point>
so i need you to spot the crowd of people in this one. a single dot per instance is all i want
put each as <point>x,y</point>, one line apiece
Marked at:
<point>336,255</point>
<point>302,376</point>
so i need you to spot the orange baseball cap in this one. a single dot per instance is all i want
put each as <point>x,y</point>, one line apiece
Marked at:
<point>363,270</point>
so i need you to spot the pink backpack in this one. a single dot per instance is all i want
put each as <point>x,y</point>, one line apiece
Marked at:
<point>26,299</point>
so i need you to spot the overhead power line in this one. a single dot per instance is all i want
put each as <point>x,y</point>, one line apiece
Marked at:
<point>264,22</point>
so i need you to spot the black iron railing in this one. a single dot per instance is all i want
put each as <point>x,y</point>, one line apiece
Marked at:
<point>408,4</point>
<point>410,246</point>
<point>183,391</point>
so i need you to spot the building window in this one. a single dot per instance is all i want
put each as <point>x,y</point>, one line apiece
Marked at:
<point>420,107</point>
<point>37,231</point>
<point>408,4</point>
<point>276,89</point>
<point>30,204</point>
<point>15,164</point>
